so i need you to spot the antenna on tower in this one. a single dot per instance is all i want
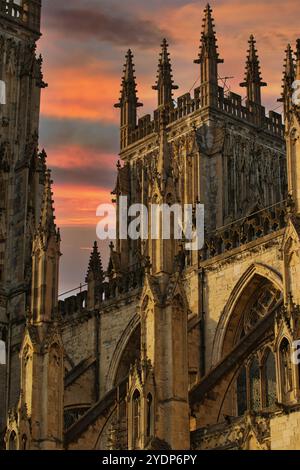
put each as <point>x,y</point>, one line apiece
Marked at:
<point>227,88</point>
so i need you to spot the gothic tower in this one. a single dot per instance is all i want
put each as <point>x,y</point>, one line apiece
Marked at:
<point>290,99</point>
<point>37,422</point>
<point>22,172</point>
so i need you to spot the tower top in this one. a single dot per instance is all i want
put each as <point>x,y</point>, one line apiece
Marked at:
<point>253,80</point>
<point>26,13</point>
<point>164,83</point>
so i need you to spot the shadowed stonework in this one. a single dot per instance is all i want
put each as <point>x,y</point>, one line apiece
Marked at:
<point>161,348</point>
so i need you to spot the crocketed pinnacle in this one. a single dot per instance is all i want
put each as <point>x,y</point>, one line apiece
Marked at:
<point>95,265</point>
<point>208,43</point>
<point>47,220</point>
<point>253,81</point>
<point>164,83</point>
<point>128,85</point>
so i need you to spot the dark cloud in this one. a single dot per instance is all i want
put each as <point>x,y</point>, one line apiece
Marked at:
<point>95,135</point>
<point>96,176</point>
<point>99,24</point>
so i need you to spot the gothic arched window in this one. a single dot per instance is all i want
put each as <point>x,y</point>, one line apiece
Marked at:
<point>241,391</point>
<point>24,442</point>
<point>12,441</point>
<point>269,372</point>
<point>285,367</point>
<point>136,417</point>
<point>254,378</point>
<point>149,415</point>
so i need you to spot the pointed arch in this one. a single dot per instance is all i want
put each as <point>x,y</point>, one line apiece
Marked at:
<point>130,334</point>
<point>255,277</point>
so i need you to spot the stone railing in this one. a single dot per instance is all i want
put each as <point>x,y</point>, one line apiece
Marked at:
<point>244,231</point>
<point>121,283</point>
<point>230,104</point>
<point>111,288</point>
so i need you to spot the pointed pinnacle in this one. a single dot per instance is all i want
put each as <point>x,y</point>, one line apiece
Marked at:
<point>289,67</point>
<point>128,85</point>
<point>47,210</point>
<point>252,73</point>
<point>164,82</point>
<point>288,74</point>
<point>129,68</point>
<point>252,51</point>
<point>95,264</point>
<point>208,45</point>
<point>208,25</point>
<point>164,52</point>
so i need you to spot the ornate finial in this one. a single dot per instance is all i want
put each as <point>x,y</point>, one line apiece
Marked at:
<point>208,46</point>
<point>128,91</point>
<point>253,80</point>
<point>165,83</point>
<point>95,265</point>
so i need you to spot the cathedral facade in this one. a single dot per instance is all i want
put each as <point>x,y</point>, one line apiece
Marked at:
<point>166,348</point>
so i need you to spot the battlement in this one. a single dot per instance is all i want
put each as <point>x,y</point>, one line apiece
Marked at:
<point>230,104</point>
<point>25,12</point>
<point>109,290</point>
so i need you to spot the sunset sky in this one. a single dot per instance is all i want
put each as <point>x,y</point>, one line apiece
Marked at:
<point>84,43</point>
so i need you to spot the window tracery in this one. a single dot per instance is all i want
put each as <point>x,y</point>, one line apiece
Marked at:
<point>256,383</point>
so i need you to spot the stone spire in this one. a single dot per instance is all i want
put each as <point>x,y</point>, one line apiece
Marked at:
<point>288,79</point>
<point>47,220</point>
<point>95,268</point>
<point>208,53</point>
<point>128,102</point>
<point>208,59</point>
<point>94,278</point>
<point>45,260</point>
<point>165,83</point>
<point>253,81</point>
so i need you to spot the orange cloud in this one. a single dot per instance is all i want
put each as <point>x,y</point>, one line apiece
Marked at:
<point>81,94</point>
<point>88,93</point>
<point>77,157</point>
<point>77,205</point>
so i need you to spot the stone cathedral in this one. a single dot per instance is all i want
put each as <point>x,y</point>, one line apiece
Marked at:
<point>166,348</point>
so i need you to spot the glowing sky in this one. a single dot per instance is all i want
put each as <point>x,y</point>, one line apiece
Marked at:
<point>83,45</point>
